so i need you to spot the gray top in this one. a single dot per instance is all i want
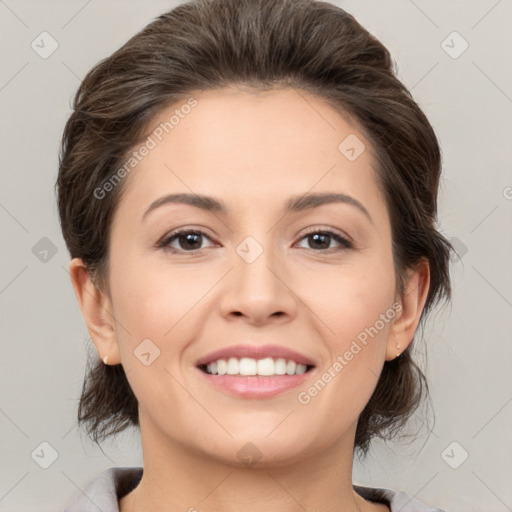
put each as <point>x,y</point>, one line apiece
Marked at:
<point>103,493</point>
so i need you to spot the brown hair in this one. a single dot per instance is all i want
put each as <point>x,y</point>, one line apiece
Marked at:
<point>263,44</point>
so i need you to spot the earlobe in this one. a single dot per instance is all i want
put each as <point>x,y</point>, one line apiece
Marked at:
<point>413,301</point>
<point>96,309</point>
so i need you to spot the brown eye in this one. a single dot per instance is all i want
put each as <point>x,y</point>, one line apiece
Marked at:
<point>322,240</point>
<point>187,241</point>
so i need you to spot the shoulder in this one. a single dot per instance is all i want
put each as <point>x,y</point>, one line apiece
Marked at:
<point>396,500</point>
<point>104,491</point>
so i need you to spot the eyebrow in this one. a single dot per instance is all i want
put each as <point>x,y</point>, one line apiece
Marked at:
<point>294,204</point>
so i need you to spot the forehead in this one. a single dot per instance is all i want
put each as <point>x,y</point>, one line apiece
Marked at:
<point>252,146</point>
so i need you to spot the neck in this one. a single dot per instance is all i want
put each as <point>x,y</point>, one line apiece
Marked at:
<point>178,478</point>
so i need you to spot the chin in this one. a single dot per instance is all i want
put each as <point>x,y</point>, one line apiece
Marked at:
<point>261,452</point>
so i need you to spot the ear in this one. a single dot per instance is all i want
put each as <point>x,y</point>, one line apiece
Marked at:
<point>413,300</point>
<point>96,308</point>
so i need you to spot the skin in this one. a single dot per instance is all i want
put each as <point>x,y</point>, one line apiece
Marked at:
<point>252,151</point>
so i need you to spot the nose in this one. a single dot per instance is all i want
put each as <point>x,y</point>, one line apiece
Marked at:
<point>259,291</point>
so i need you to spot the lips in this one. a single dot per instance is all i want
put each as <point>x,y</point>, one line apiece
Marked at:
<point>246,385</point>
<point>255,352</point>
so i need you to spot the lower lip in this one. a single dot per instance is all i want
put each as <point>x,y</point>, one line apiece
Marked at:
<point>255,386</point>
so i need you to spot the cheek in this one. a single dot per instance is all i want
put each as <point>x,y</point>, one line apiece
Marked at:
<point>157,310</point>
<point>355,305</point>
<point>351,298</point>
<point>364,315</point>
<point>161,303</point>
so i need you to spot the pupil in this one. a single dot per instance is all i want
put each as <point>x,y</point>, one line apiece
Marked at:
<point>188,239</point>
<point>317,236</point>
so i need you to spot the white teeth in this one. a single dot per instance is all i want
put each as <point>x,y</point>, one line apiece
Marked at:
<point>301,368</point>
<point>250,366</point>
<point>266,366</point>
<point>280,367</point>
<point>291,366</point>
<point>222,367</point>
<point>233,366</point>
<point>247,366</point>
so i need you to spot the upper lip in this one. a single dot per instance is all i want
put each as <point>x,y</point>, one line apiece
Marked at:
<point>256,352</point>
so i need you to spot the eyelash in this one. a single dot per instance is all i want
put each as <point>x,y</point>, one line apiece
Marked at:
<point>164,243</point>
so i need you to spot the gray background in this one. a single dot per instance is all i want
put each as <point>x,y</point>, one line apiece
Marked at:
<point>44,340</point>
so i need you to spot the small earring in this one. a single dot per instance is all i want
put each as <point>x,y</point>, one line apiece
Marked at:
<point>105,359</point>
<point>398,348</point>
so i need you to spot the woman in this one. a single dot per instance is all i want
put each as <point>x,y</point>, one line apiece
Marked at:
<point>249,197</point>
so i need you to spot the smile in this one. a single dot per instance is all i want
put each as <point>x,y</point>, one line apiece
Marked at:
<point>255,371</point>
<point>247,366</point>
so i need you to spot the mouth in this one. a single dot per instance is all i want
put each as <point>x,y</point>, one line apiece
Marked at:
<point>249,371</point>
<point>248,366</point>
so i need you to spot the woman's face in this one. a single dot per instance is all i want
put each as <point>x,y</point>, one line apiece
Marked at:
<point>261,276</point>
